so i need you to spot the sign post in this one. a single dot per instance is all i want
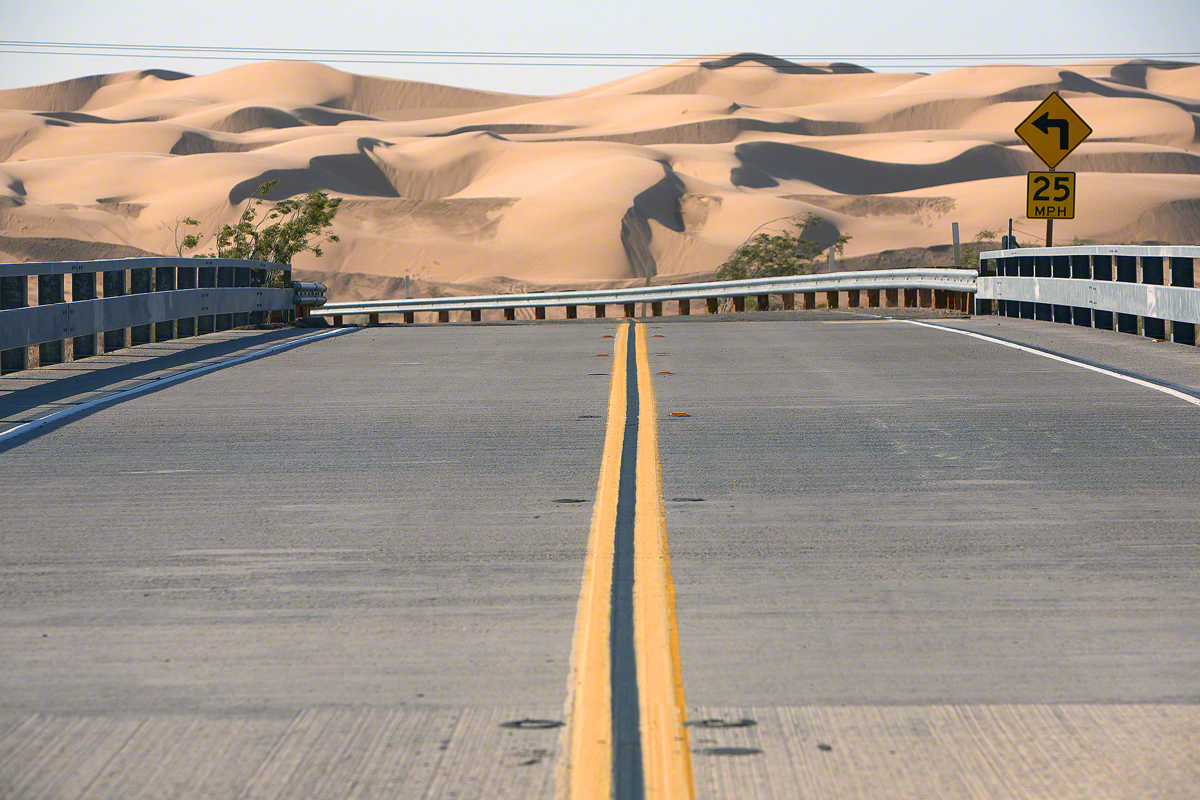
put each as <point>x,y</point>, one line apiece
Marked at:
<point>1052,131</point>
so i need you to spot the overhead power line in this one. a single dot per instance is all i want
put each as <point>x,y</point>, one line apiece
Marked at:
<point>531,58</point>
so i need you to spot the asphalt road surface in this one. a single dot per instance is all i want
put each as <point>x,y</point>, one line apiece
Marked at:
<point>906,562</point>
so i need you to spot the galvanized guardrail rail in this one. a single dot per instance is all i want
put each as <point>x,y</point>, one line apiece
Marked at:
<point>122,302</point>
<point>1145,290</point>
<point>940,288</point>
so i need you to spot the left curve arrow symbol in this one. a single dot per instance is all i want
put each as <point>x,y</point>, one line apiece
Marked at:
<point>1044,124</point>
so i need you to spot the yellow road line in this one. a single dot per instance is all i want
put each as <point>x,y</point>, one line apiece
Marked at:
<point>666,750</point>
<point>587,773</point>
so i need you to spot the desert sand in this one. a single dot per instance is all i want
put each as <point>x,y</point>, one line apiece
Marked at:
<point>662,173</point>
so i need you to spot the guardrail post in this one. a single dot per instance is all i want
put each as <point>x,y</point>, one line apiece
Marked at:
<point>831,299</point>
<point>739,304</point>
<point>539,312</point>
<point>410,317</point>
<point>50,292</point>
<point>1127,272</point>
<point>186,279</point>
<point>443,316</point>
<point>924,298</point>
<point>1052,267</point>
<point>656,308</point>
<point>1183,274</point>
<point>789,300</point>
<point>810,301</point>
<point>1152,274</point>
<point>764,302</point>
<point>372,319</point>
<point>1102,271</point>
<point>206,278</point>
<point>891,298</point>
<point>685,308</point>
<point>600,311</point>
<point>1025,269</point>
<point>987,268</point>
<point>337,320</point>
<point>629,309</point>
<point>1042,267</point>
<point>852,298</point>
<point>910,298</point>
<point>83,287</point>
<point>139,283</point>
<point>1081,270</point>
<point>714,304</point>
<point>510,314</point>
<point>14,293</point>
<point>572,312</point>
<point>476,315</point>
<point>164,281</point>
<point>872,298</point>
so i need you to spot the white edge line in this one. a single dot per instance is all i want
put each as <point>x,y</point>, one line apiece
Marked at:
<point>1158,387</point>
<point>32,425</point>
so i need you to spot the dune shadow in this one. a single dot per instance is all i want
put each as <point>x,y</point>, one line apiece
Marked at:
<point>661,203</point>
<point>782,65</point>
<point>163,74</point>
<point>78,117</point>
<point>342,173</point>
<point>765,164</point>
<point>1074,82</point>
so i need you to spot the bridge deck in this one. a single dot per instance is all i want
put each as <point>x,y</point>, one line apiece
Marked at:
<point>925,565</point>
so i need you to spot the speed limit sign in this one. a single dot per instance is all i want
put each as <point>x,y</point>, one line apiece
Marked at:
<point>1051,195</point>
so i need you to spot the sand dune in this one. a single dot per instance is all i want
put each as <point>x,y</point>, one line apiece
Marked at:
<point>660,173</point>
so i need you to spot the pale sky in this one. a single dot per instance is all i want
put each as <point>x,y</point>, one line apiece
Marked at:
<point>849,30</point>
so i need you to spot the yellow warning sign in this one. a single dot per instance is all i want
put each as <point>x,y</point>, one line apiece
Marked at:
<point>1051,195</point>
<point>1053,130</point>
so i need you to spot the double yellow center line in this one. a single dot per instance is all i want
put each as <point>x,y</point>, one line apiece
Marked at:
<point>626,738</point>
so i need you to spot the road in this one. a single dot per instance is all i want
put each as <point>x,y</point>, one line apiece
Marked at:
<point>923,564</point>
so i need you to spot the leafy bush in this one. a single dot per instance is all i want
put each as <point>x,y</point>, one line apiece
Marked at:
<point>301,227</point>
<point>770,255</point>
<point>984,240</point>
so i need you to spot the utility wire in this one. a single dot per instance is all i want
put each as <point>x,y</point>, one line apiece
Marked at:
<point>555,54</point>
<point>526,58</point>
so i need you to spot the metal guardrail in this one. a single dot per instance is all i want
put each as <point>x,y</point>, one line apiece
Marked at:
<point>308,295</point>
<point>951,285</point>
<point>1146,290</point>
<point>121,302</point>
